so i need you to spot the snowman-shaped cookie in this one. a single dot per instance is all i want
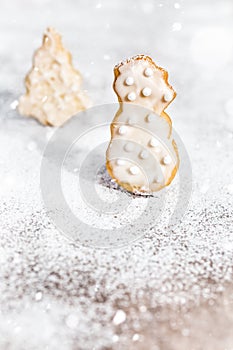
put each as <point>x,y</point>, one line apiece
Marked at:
<point>142,156</point>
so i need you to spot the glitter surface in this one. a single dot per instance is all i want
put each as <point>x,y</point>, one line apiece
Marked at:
<point>166,291</point>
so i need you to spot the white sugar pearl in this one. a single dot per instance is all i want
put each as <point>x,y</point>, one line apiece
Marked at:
<point>146,91</point>
<point>134,170</point>
<point>129,147</point>
<point>153,142</point>
<point>122,130</point>
<point>131,96</point>
<point>168,96</point>
<point>144,154</point>
<point>148,72</point>
<point>129,81</point>
<point>120,162</point>
<point>150,117</point>
<point>167,160</point>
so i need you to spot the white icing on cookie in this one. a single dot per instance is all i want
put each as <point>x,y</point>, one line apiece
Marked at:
<point>146,145</point>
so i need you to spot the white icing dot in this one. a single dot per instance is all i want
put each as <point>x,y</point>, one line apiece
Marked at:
<point>150,117</point>
<point>120,162</point>
<point>176,26</point>
<point>122,130</point>
<point>157,149</point>
<point>167,160</point>
<point>168,96</point>
<point>153,142</point>
<point>134,170</point>
<point>130,121</point>
<point>146,91</point>
<point>144,154</point>
<point>131,96</point>
<point>129,147</point>
<point>129,81</point>
<point>158,179</point>
<point>148,72</point>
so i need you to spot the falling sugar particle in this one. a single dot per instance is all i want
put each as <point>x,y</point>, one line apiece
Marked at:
<point>72,321</point>
<point>147,7</point>
<point>14,104</point>
<point>115,338</point>
<point>229,107</point>
<point>177,26</point>
<point>218,144</point>
<point>230,188</point>
<point>107,57</point>
<point>31,146</point>
<point>119,317</point>
<point>185,332</point>
<point>136,337</point>
<point>49,133</point>
<point>177,5</point>
<point>38,296</point>
<point>205,187</point>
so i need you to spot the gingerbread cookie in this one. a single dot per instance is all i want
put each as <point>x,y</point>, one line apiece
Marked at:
<point>53,86</point>
<point>142,156</point>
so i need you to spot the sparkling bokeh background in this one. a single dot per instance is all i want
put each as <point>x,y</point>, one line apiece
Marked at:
<point>165,291</point>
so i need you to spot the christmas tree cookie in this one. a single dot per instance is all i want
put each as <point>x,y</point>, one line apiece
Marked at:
<point>53,86</point>
<point>142,155</point>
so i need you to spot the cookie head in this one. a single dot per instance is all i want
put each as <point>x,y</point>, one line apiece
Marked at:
<point>140,81</point>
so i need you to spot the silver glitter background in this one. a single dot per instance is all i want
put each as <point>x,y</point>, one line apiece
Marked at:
<point>165,291</point>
